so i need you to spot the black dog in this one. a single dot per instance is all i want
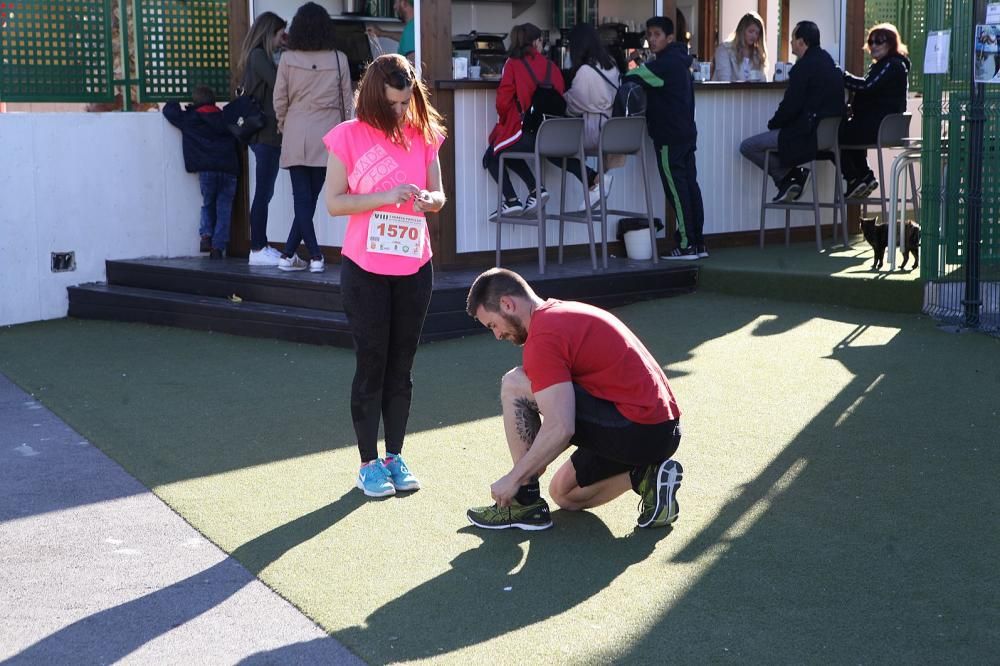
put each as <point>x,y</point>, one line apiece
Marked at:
<point>877,236</point>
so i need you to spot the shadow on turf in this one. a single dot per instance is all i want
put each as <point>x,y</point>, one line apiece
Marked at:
<point>114,633</point>
<point>850,546</point>
<point>548,573</point>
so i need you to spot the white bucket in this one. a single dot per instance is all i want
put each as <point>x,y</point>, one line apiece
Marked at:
<point>637,245</point>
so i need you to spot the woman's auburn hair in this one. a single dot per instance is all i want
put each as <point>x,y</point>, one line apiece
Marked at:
<point>373,109</point>
<point>888,32</point>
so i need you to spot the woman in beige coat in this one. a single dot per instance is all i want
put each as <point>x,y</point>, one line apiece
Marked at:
<point>312,94</point>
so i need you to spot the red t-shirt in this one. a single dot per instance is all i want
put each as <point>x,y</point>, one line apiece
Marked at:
<point>579,343</point>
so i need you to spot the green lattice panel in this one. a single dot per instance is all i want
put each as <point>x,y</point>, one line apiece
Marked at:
<point>908,17</point>
<point>959,151</point>
<point>55,51</point>
<point>182,45</point>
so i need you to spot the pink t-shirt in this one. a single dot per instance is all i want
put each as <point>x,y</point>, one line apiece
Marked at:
<point>375,164</point>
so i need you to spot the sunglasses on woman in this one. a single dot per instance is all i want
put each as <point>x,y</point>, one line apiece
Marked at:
<point>877,41</point>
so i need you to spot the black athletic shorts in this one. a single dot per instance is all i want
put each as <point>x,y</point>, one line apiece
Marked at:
<point>609,444</point>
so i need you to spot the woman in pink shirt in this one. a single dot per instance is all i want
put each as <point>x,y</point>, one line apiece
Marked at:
<point>383,171</point>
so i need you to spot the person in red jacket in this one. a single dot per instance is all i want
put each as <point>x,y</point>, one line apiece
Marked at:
<point>514,97</point>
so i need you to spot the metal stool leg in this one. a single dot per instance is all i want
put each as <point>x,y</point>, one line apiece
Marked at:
<point>763,197</point>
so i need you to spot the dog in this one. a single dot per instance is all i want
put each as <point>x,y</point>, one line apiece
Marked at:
<point>877,236</point>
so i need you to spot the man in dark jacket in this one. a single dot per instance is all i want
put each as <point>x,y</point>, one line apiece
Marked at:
<point>815,91</point>
<point>670,123</point>
<point>209,151</point>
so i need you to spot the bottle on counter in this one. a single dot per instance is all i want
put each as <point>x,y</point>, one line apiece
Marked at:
<point>746,69</point>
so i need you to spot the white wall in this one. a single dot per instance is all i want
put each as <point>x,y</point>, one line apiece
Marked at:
<point>496,17</point>
<point>104,185</point>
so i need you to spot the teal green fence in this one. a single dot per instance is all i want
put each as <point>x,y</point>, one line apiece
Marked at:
<point>73,50</point>
<point>945,165</point>
<point>56,51</point>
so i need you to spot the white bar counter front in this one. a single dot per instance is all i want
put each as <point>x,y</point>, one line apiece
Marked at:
<point>726,113</point>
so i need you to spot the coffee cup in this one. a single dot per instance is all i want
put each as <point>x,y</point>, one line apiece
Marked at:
<point>460,68</point>
<point>706,70</point>
<point>756,75</point>
<point>475,71</point>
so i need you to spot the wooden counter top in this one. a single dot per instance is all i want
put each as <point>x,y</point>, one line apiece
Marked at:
<point>472,84</point>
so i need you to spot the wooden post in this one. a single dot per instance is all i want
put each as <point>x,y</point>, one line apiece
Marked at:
<point>435,55</point>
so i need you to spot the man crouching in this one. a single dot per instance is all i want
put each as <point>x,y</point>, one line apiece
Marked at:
<point>598,389</point>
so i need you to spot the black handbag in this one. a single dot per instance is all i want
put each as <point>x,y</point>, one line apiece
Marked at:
<point>243,116</point>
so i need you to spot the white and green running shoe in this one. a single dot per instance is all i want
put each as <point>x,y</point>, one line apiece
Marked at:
<point>658,490</point>
<point>534,516</point>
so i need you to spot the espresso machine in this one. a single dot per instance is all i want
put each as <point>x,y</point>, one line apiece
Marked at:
<point>484,49</point>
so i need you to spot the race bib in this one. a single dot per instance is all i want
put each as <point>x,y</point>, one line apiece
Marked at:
<point>396,233</point>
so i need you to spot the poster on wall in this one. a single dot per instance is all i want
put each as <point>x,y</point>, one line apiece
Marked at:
<point>936,53</point>
<point>987,53</point>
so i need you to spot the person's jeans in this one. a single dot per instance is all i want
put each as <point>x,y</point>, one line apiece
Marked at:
<point>754,147</point>
<point>265,173</point>
<point>306,185</point>
<point>386,315</point>
<point>526,143</point>
<point>217,192</point>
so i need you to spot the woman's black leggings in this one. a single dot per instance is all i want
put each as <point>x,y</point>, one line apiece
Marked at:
<point>386,314</point>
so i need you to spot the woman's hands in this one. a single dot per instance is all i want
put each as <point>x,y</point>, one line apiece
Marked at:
<point>424,201</point>
<point>428,202</point>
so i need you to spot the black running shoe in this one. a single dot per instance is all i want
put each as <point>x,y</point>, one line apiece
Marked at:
<point>682,254</point>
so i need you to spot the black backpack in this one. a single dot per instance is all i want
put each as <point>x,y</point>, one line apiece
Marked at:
<point>545,101</point>
<point>630,97</point>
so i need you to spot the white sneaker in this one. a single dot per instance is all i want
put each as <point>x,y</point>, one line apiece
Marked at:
<point>262,257</point>
<point>594,196</point>
<point>532,202</point>
<point>317,265</point>
<point>292,263</point>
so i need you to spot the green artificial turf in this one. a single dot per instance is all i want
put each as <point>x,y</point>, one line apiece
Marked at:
<point>839,503</point>
<point>836,276</point>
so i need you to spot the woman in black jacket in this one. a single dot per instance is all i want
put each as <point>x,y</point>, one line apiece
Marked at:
<point>877,95</point>
<point>259,60</point>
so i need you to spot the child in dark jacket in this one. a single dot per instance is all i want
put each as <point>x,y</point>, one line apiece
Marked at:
<point>209,151</point>
<point>670,123</point>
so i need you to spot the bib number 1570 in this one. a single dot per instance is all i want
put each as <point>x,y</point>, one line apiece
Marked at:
<point>396,233</point>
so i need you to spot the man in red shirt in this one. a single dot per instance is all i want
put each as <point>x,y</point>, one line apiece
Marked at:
<point>598,388</point>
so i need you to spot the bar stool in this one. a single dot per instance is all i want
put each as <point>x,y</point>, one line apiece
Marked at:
<point>891,131</point>
<point>827,148</point>
<point>561,138</point>
<point>623,136</point>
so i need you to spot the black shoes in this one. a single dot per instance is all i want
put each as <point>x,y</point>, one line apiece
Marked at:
<point>206,244</point>
<point>215,254</point>
<point>790,187</point>
<point>861,188</point>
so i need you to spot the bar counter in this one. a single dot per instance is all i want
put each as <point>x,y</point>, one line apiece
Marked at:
<point>726,113</point>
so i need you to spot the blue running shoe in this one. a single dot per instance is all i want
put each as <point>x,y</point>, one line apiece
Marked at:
<point>399,474</point>
<point>373,479</point>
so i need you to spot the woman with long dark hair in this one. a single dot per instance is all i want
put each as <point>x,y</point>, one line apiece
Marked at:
<point>383,171</point>
<point>259,67</point>
<point>312,94</point>
<point>595,81</point>
<point>881,92</point>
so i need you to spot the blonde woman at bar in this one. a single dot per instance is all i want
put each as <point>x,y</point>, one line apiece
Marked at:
<point>743,53</point>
